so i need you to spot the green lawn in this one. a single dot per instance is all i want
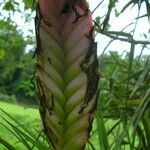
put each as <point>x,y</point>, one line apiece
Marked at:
<point>27,116</point>
<point>31,119</point>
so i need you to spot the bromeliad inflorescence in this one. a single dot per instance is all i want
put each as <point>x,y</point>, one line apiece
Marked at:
<point>66,72</point>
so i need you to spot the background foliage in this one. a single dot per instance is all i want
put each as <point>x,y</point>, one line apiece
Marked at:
<point>16,64</point>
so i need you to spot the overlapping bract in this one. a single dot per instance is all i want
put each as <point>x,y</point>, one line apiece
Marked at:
<point>66,72</point>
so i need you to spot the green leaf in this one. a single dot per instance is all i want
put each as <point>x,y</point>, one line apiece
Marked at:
<point>116,13</point>
<point>126,6</point>
<point>103,140</point>
<point>6,144</point>
<point>24,134</point>
<point>8,6</point>
<point>134,121</point>
<point>131,56</point>
<point>146,124</point>
<point>2,53</point>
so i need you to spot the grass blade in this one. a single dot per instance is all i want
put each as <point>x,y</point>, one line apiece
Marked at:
<point>24,133</point>
<point>103,140</point>
<point>6,144</point>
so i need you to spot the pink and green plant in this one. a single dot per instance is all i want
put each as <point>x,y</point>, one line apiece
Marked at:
<point>67,71</point>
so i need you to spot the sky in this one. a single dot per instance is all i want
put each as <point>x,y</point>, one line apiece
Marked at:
<point>116,25</point>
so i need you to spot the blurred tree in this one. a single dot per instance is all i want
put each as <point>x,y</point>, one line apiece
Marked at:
<point>13,45</point>
<point>25,87</point>
<point>15,69</point>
